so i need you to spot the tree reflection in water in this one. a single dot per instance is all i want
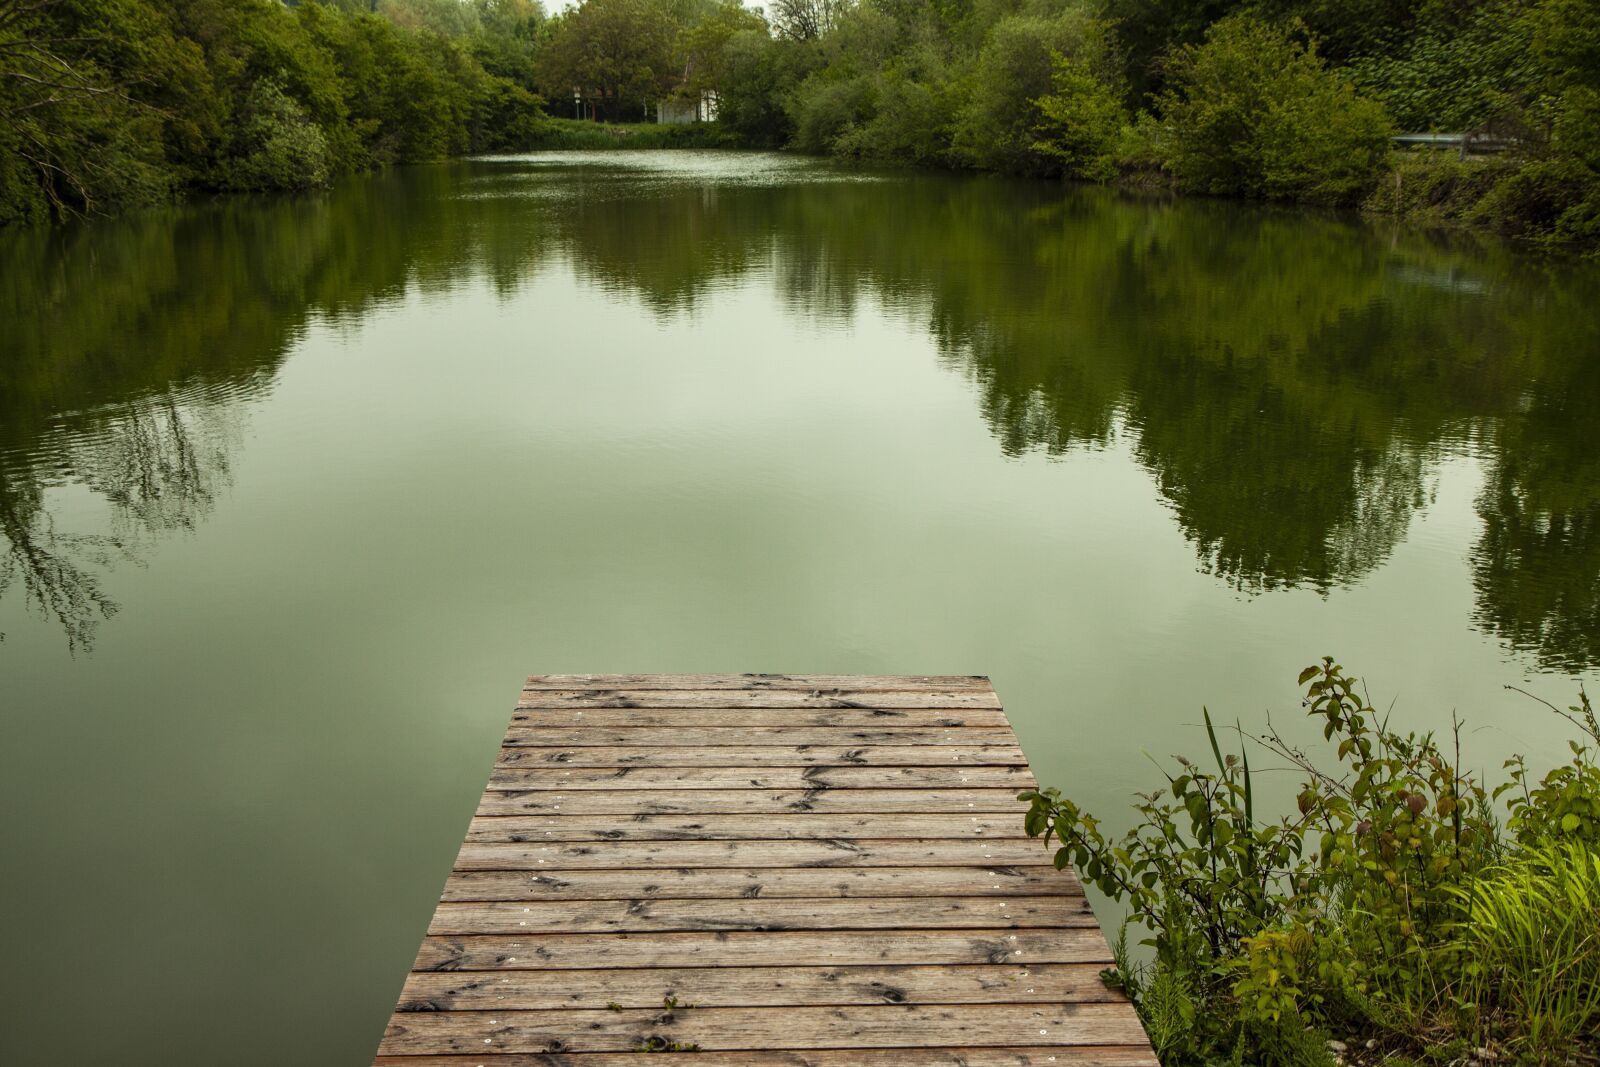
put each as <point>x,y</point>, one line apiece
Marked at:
<point>1290,381</point>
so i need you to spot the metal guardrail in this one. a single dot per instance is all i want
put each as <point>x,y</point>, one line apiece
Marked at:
<point>1462,142</point>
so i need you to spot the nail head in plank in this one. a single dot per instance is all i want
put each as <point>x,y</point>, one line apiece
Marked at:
<point>797,826</point>
<point>630,803</point>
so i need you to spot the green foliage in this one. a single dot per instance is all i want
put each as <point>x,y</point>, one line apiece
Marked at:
<point>75,136</point>
<point>1080,123</point>
<point>1531,949</point>
<point>1452,77</point>
<point>277,146</point>
<point>823,111</point>
<point>1382,905</point>
<point>1254,111</point>
<point>1436,186</point>
<point>617,53</point>
<point>1019,66</point>
<point>1277,99</point>
<point>758,75</point>
<point>1564,807</point>
<point>909,121</point>
<point>107,104</point>
<point>702,46</point>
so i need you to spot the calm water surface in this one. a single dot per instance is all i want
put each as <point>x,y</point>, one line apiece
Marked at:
<point>293,493</point>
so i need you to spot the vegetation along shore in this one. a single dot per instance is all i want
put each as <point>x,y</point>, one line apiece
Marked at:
<point>108,104</point>
<point>1405,912</point>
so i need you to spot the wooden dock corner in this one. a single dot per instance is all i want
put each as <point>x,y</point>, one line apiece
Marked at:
<point>753,870</point>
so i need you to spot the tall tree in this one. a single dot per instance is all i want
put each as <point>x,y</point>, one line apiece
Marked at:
<point>618,52</point>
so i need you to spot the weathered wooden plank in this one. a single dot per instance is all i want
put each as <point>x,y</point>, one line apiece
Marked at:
<point>807,682</point>
<point>837,852</point>
<point>908,1026</point>
<point>636,802</point>
<point>1063,1056</point>
<point>698,737</point>
<point>690,718</point>
<point>758,698</point>
<point>848,755</point>
<point>722,883</point>
<point>790,948</point>
<point>863,913</point>
<point>950,776</point>
<point>710,987</point>
<point>558,827</point>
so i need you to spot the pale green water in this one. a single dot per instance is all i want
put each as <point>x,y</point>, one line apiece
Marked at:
<point>349,467</point>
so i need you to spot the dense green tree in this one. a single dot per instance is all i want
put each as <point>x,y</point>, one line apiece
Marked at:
<point>1080,122</point>
<point>758,76</point>
<point>999,123</point>
<point>277,144</point>
<point>618,53</point>
<point>112,103</point>
<point>1254,111</point>
<point>702,46</point>
<point>84,88</point>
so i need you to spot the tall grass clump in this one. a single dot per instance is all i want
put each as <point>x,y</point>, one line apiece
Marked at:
<point>1531,949</point>
<point>1403,909</point>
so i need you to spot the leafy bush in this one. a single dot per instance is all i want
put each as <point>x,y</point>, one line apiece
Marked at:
<point>1436,186</point>
<point>278,146</point>
<point>997,123</point>
<point>1358,913</point>
<point>1253,111</point>
<point>1451,77</point>
<point>1080,123</point>
<point>1563,808</point>
<point>822,110</point>
<point>909,122</point>
<point>757,74</point>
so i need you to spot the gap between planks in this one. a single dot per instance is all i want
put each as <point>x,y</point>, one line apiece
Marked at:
<point>559,827</point>
<point>943,776</point>
<point>813,799</point>
<point>831,913</point>
<point>711,987</point>
<point>802,948</point>
<point>890,1026</point>
<point>764,882</point>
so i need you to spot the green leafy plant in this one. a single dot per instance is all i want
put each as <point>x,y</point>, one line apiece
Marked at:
<point>1565,805</point>
<point>1080,122</point>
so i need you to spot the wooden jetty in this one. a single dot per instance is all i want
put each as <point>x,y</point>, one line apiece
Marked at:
<point>754,870</point>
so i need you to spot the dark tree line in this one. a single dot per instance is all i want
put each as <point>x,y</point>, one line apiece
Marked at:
<point>114,103</point>
<point>107,103</point>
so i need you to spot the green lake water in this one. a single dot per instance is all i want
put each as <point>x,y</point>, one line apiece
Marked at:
<point>294,492</point>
